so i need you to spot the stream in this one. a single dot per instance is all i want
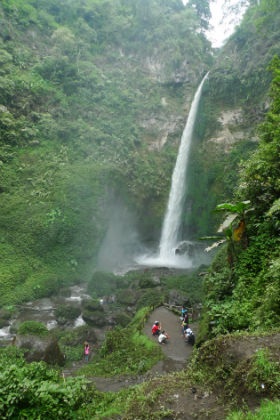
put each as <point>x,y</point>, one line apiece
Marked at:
<point>43,310</point>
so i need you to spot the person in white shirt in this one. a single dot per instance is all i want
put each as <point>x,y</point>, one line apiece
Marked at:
<point>163,337</point>
<point>189,337</point>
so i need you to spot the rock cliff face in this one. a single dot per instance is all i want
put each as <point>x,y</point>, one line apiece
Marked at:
<point>158,129</point>
<point>232,129</point>
<point>157,67</point>
<point>38,348</point>
<point>234,103</point>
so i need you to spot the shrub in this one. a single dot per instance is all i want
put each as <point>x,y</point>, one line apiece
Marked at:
<point>124,352</point>
<point>67,312</point>
<point>33,391</point>
<point>33,328</point>
<point>151,298</point>
<point>101,283</point>
<point>126,297</point>
<point>269,410</point>
<point>147,282</point>
<point>122,319</point>
<point>93,305</point>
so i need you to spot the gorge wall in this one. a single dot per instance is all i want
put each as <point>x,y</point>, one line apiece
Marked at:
<point>234,103</point>
<point>93,100</point>
<point>90,92</point>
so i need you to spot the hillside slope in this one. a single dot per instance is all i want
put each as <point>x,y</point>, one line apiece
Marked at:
<point>234,103</point>
<point>90,91</point>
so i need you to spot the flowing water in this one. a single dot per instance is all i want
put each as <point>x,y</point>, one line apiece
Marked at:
<point>167,255</point>
<point>43,310</point>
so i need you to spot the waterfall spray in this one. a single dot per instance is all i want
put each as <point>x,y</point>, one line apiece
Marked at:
<point>173,215</point>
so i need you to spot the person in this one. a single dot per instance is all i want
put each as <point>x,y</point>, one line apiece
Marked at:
<point>185,323</point>
<point>87,349</point>
<point>189,337</point>
<point>184,327</point>
<point>186,319</point>
<point>156,328</point>
<point>184,311</point>
<point>163,337</point>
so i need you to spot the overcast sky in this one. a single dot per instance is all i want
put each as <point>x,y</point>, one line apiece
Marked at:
<point>222,22</point>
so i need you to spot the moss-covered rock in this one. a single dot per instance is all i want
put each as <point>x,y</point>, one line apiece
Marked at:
<point>94,318</point>
<point>92,306</point>
<point>3,322</point>
<point>147,282</point>
<point>32,327</point>
<point>152,297</point>
<point>38,348</point>
<point>122,319</point>
<point>126,297</point>
<point>64,313</point>
<point>93,313</point>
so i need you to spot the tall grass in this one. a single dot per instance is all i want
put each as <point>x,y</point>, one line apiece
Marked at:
<point>269,410</point>
<point>126,351</point>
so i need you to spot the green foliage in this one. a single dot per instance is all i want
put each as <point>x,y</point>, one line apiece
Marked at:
<point>93,305</point>
<point>93,313</point>
<point>247,298</point>
<point>123,319</point>
<point>238,366</point>
<point>72,341</point>
<point>126,297</point>
<point>32,327</point>
<point>147,282</point>
<point>269,410</point>
<point>238,81</point>
<point>140,318</point>
<point>67,312</point>
<point>145,403</point>
<point>260,176</point>
<point>34,391</point>
<point>264,374</point>
<point>102,283</point>
<point>76,105</point>
<point>189,284</point>
<point>151,298</point>
<point>125,351</point>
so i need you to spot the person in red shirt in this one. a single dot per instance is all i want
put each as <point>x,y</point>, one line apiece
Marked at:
<point>156,328</point>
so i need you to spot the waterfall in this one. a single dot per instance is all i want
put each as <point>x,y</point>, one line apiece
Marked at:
<point>173,214</point>
<point>172,219</point>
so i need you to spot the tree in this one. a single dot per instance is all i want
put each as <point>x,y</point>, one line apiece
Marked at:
<point>231,231</point>
<point>260,175</point>
<point>202,8</point>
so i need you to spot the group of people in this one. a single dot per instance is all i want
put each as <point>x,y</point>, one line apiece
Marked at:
<point>186,330</point>
<point>157,331</point>
<point>187,333</point>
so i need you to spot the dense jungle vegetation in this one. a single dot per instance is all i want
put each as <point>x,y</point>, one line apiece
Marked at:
<point>238,85</point>
<point>78,99</point>
<point>86,87</point>
<point>242,292</point>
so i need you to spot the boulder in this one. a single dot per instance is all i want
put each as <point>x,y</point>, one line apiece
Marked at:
<point>94,318</point>
<point>3,322</point>
<point>176,298</point>
<point>40,348</point>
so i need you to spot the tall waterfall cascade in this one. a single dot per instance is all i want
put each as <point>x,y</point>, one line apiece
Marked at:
<point>167,255</point>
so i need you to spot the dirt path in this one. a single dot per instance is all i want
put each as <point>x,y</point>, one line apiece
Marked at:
<point>176,350</point>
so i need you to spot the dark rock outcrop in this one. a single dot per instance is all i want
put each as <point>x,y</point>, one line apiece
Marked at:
<point>40,348</point>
